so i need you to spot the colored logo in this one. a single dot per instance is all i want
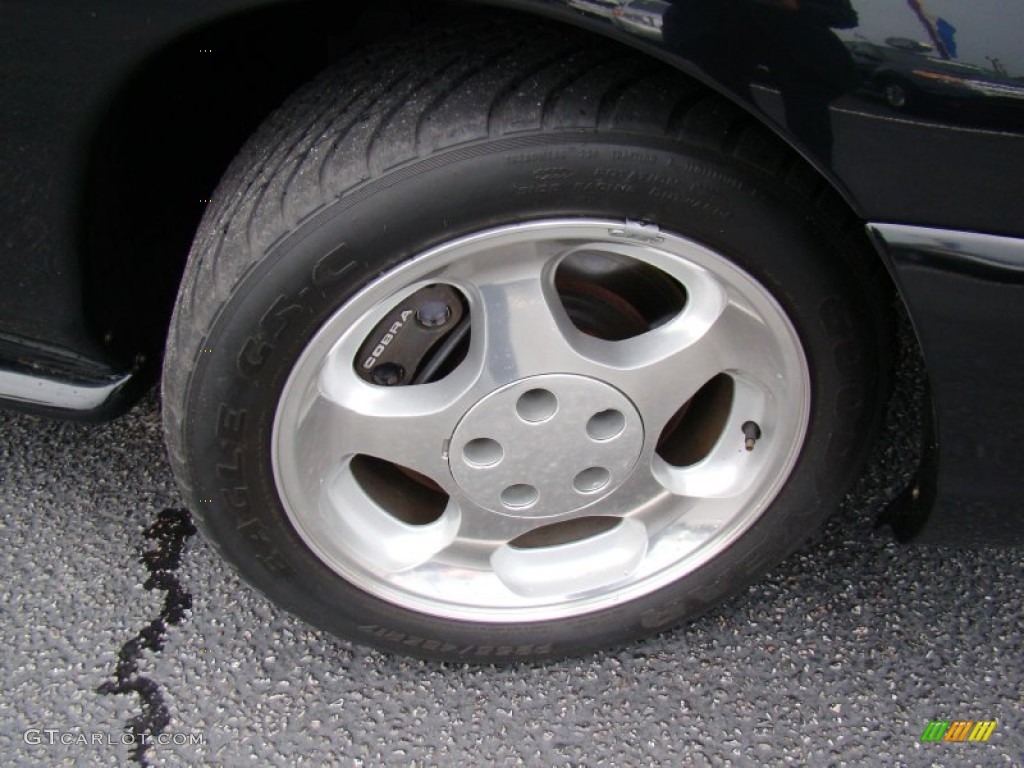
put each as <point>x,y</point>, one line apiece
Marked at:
<point>958,730</point>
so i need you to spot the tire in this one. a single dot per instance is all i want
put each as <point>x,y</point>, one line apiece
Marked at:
<point>589,219</point>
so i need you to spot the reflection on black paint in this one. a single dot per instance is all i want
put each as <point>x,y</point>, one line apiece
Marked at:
<point>909,77</point>
<point>169,532</point>
<point>732,40</point>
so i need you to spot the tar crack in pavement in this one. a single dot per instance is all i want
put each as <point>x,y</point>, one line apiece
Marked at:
<point>170,531</point>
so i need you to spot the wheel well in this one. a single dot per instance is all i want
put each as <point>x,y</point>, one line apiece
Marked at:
<point>175,124</point>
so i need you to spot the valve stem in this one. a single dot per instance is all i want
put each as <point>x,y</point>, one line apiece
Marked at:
<point>752,433</point>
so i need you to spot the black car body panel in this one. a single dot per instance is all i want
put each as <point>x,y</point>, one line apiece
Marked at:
<point>121,112</point>
<point>966,295</point>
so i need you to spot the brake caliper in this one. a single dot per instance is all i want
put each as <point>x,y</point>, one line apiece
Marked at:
<point>397,350</point>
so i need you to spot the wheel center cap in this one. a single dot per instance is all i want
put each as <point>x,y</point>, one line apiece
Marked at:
<point>546,445</point>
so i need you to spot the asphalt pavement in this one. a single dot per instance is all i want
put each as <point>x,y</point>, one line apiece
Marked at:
<point>118,618</point>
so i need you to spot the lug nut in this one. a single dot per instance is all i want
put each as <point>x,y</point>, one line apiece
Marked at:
<point>433,314</point>
<point>388,374</point>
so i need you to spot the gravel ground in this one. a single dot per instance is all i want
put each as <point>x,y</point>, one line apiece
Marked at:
<point>116,616</point>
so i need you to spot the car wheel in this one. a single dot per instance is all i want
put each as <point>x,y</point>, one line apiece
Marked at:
<point>503,344</point>
<point>895,94</point>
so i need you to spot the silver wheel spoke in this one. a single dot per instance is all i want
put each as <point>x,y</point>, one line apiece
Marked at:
<point>596,562</point>
<point>519,325</point>
<point>404,425</point>
<point>488,531</point>
<point>352,518</point>
<point>666,367</point>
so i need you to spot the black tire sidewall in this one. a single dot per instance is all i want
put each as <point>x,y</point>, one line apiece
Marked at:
<point>285,297</point>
